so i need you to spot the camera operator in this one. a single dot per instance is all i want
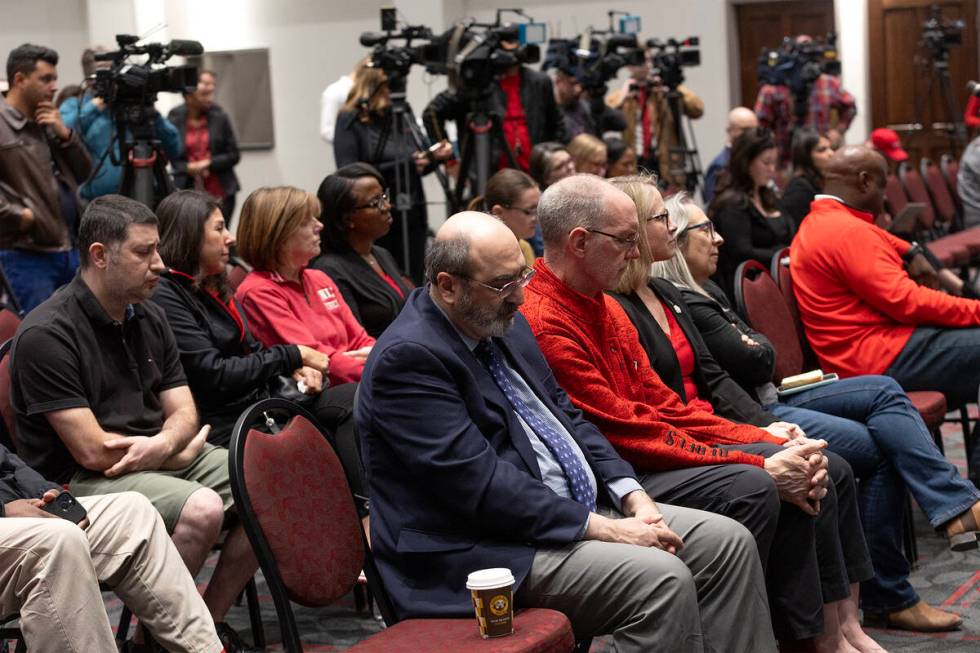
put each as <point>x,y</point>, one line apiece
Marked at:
<point>41,163</point>
<point>210,147</point>
<point>827,100</point>
<point>523,98</point>
<point>579,109</point>
<point>649,121</point>
<point>361,124</point>
<point>90,116</point>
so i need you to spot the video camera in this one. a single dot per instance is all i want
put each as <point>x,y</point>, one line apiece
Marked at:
<point>131,88</point>
<point>939,35</point>
<point>798,64</point>
<point>472,54</point>
<point>670,57</point>
<point>594,57</point>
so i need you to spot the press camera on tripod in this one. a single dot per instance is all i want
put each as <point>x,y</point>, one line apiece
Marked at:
<point>797,64</point>
<point>938,36</point>
<point>130,89</point>
<point>595,57</point>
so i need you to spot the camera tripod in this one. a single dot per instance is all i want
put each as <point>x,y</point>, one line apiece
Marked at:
<point>399,124</point>
<point>954,127</point>
<point>685,151</point>
<point>484,128</point>
<point>145,177</point>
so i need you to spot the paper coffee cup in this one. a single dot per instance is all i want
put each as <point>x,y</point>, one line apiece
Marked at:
<point>493,601</point>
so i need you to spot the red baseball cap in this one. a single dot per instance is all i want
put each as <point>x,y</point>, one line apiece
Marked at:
<point>888,143</point>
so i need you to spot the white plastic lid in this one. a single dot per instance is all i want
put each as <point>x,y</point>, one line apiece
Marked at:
<point>489,578</point>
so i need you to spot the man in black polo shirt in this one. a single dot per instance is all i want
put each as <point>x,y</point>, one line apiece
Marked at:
<point>102,402</point>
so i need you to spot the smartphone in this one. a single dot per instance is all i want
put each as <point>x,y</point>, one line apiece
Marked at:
<point>66,507</point>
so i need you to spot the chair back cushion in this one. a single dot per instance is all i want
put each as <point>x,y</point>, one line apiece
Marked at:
<point>8,431</point>
<point>941,198</point>
<point>9,321</point>
<point>302,502</point>
<point>761,303</point>
<point>916,191</point>
<point>895,195</point>
<point>951,169</point>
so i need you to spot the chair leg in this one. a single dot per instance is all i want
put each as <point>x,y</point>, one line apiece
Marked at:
<point>358,598</point>
<point>908,528</point>
<point>122,632</point>
<point>255,614</point>
<point>937,437</point>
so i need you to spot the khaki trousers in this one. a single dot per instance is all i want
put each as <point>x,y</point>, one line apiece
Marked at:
<point>50,571</point>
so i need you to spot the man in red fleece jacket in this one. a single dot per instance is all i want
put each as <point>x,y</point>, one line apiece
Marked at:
<point>699,460</point>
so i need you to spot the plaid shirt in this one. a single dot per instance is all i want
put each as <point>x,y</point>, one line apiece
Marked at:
<point>774,107</point>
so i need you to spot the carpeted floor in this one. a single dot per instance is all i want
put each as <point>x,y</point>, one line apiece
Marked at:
<point>943,578</point>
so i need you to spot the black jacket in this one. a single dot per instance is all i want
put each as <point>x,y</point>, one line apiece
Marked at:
<point>714,384</point>
<point>748,235</point>
<point>797,196</point>
<point>373,302</point>
<point>721,329</point>
<point>544,121</point>
<point>18,481</point>
<point>227,369</point>
<point>223,144</point>
<point>355,140</point>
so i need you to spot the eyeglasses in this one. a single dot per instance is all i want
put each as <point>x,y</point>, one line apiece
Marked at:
<point>707,226</point>
<point>528,212</point>
<point>625,243</point>
<point>663,218</point>
<point>509,287</point>
<point>377,203</point>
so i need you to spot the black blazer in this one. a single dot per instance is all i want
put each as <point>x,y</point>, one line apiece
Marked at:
<point>373,302</point>
<point>795,204</point>
<point>227,371</point>
<point>223,144</point>
<point>713,383</point>
<point>455,483</point>
<point>722,329</point>
<point>545,121</point>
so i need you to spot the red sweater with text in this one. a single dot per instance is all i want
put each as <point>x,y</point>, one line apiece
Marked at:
<point>858,304</point>
<point>314,313</point>
<point>597,358</point>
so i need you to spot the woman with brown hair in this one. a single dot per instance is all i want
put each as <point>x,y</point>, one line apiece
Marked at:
<point>745,210</point>
<point>512,197</point>
<point>286,301</point>
<point>365,133</point>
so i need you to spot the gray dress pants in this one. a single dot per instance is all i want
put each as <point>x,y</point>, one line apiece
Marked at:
<point>711,596</point>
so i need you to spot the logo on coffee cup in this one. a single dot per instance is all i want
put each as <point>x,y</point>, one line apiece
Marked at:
<point>499,605</point>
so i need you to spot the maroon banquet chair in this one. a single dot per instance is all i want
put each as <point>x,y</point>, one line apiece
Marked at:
<point>237,271</point>
<point>950,168</point>
<point>311,546</point>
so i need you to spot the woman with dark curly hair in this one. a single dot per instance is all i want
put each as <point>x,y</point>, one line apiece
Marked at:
<point>746,209</point>
<point>356,212</point>
<point>810,153</point>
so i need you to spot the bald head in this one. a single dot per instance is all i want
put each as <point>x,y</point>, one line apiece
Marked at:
<point>486,239</point>
<point>740,119</point>
<point>856,174</point>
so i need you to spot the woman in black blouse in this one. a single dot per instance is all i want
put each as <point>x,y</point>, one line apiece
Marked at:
<point>810,153</point>
<point>355,212</point>
<point>745,210</point>
<point>868,420</point>
<point>365,120</point>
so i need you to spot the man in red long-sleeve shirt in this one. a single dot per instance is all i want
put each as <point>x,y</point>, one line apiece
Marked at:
<point>862,311</point>
<point>698,459</point>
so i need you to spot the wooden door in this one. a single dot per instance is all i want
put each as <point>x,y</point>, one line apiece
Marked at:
<point>905,91</point>
<point>764,24</point>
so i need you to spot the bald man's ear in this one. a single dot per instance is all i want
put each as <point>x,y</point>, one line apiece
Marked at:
<point>446,286</point>
<point>577,238</point>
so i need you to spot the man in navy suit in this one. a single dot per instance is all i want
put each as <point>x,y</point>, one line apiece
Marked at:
<point>477,459</point>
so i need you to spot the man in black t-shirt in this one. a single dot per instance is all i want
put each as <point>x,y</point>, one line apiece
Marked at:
<point>102,402</point>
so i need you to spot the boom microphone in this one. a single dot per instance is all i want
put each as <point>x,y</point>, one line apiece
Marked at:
<point>185,48</point>
<point>371,39</point>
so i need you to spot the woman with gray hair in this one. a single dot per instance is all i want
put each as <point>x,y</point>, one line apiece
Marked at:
<point>867,420</point>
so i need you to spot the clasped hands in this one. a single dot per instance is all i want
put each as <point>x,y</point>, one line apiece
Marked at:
<point>148,453</point>
<point>800,470</point>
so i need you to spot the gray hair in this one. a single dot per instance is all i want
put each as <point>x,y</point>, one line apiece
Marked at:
<point>675,269</point>
<point>450,255</point>
<point>575,201</point>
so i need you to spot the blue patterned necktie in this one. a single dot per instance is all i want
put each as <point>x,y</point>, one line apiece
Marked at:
<point>582,490</point>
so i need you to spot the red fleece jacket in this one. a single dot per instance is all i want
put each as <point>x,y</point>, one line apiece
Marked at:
<point>858,304</point>
<point>282,312</point>
<point>597,358</point>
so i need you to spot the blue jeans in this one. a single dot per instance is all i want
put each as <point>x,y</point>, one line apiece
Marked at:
<point>943,359</point>
<point>870,422</point>
<point>34,276</point>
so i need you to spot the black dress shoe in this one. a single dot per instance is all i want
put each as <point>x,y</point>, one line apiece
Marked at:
<point>232,641</point>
